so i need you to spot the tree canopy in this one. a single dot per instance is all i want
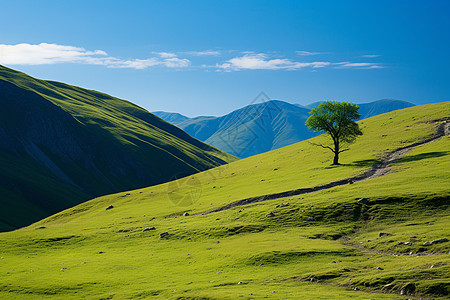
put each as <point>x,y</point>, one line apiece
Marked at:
<point>337,119</point>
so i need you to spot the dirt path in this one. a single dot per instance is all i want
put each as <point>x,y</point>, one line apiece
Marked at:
<point>378,169</point>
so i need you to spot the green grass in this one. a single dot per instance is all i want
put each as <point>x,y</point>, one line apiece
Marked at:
<point>90,252</point>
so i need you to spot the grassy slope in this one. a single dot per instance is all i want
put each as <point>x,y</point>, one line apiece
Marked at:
<point>101,143</point>
<point>107,256</point>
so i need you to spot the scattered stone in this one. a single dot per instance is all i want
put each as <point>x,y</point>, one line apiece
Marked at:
<point>109,207</point>
<point>262,179</point>
<point>185,214</point>
<point>363,201</point>
<point>41,227</point>
<point>218,242</point>
<point>240,282</point>
<point>163,234</point>
<point>380,268</point>
<point>240,210</point>
<point>83,263</point>
<point>148,229</point>
<point>384,234</point>
<point>413,237</point>
<point>101,252</point>
<point>356,289</point>
<point>408,289</point>
<point>438,241</point>
<point>214,187</point>
<point>313,280</point>
<point>403,243</point>
<point>62,269</point>
<point>310,219</point>
<point>270,214</point>
<point>432,266</point>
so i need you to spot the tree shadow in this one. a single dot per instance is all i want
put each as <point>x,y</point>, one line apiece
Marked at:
<point>357,163</point>
<point>363,163</point>
<point>422,156</point>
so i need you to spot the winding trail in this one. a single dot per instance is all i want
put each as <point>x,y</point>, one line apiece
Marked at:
<point>378,169</point>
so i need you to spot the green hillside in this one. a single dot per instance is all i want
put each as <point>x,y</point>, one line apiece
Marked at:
<point>370,237</point>
<point>61,145</point>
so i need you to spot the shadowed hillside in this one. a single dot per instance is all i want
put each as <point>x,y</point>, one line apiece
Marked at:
<point>61,145</point>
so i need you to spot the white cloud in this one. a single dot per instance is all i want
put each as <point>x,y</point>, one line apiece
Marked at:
<point>261,62</point>
<point>39,54</point>
<point>370,55</point>
<point>42,54</point>
<point>165,54</point>
<point>28,54</point>
<point>305,53</point>
<point>203,53</point>
<point>363,65</point>
<point>176,62</point>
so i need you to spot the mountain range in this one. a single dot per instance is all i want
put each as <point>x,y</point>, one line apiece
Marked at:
<point>262,127</point>
<point>61,145</point>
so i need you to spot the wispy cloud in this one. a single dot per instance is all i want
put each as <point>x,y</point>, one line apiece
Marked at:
<point>360,65</point>
<point>307,53</point>
<point>165,54</point>
<point>260,61</point>
<point>370,55</point>
<point>203,53</point>
<point>42,54</point>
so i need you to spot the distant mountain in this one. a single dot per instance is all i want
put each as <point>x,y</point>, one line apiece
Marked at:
<point>173,118</point>
<point>374,108</point>
<point>61,145</point>
<point>262,127</point>
<point>379,107</point>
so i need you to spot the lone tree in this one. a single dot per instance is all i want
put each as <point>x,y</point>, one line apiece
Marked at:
<point>338,120</point>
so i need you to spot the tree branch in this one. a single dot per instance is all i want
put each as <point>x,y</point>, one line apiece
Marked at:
<point>343,150</point>
<point>326,147</point>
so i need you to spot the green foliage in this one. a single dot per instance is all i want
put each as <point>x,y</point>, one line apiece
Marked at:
<point>337,119</point>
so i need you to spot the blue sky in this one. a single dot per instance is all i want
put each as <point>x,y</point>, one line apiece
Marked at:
<point>211,57</point>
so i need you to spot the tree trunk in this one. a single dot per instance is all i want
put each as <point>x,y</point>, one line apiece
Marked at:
<point>336,158</point>
<point>336,152</point>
